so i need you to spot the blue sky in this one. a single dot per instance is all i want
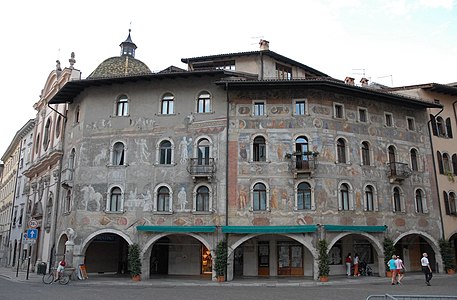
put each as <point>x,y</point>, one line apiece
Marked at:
<point>393,42</point>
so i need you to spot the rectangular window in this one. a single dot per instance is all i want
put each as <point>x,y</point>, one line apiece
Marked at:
<point>388,119</point>
<point>259,108</point>
<point>338,111</point>
<point>363,115</point>
<point>283,72</point>
<point>410,122</point>
<point>300,107</point>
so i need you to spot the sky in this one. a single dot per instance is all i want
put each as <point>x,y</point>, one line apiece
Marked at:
<point>392,42</point>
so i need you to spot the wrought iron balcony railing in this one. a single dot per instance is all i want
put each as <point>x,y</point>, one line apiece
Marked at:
<point>397,172</point>
<point>201,167</point>
<point>303,164</point>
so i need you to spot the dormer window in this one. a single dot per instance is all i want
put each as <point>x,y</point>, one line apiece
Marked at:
<point>283,72</point>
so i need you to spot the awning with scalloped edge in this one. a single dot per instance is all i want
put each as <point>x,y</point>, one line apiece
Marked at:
<point>269,229</point>
<point>158,228</point>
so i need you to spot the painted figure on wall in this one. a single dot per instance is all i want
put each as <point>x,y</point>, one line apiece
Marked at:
<point>182,199</point>
<point>91,200</point>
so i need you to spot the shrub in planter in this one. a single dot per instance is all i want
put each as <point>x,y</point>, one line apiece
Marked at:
<point>323,260</point>
<point>134,261</point>
<point>447,255</point>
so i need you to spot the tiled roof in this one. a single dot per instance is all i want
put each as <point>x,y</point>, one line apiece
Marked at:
<point>120,66</point>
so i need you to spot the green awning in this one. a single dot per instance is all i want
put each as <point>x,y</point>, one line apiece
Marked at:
<point>153,228</point>
<point>269,229</point>
<point>357,228</point>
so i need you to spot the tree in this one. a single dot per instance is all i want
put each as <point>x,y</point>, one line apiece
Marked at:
<point>323,258</point>
<point>389,249</point>
<point>220,262</point>
<point>446,254</point>
<point>134,260</point>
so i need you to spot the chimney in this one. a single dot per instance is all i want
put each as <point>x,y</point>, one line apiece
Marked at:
<point>349,80</point>
<point>364,82</point>
<point>264,45</point>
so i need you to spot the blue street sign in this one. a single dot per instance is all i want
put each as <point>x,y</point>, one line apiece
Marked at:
<point>32,234</point>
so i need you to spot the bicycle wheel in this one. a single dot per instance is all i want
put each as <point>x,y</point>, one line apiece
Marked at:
<point>48,278</point>
<point>64,279</point>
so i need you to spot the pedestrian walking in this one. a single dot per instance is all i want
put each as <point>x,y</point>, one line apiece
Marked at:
<point>400,269</point>
<point>356,265</point>
<point>348,264</point>
<point>393,269</point>
<point>426,268</point>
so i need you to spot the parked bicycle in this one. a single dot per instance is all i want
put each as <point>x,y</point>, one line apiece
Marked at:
<point>51,277</point>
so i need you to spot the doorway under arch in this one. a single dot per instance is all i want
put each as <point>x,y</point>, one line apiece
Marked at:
<point>107,254</point>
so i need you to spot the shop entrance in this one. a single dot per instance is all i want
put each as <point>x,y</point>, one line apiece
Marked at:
<point>107,254</point>
<point>290,259</point>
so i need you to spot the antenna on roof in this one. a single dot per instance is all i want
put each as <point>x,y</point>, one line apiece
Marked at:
<point>358,73</point>
<point>257,38</point>
<point>391,79</point>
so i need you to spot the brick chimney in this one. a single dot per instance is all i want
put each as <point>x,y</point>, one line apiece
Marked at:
<point>364,81</point>
<point>264,45</point>
<point>349,80</point>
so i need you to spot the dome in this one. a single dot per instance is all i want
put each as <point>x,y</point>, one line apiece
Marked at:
<point>120,66</point>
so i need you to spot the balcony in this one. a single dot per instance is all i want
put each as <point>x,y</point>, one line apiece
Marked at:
<point>201,168</point>
<point>303,164</point>
<point>397,172</point>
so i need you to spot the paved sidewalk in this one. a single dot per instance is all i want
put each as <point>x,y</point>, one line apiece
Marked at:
<point>171,281</point>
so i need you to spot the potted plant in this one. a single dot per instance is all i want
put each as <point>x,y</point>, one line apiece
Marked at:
<point>323,261</point>
<point>220,261</point>
<point>447,256</point>
<point>389,250</point>
<point>134,262</point>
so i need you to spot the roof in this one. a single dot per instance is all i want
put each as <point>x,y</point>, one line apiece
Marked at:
<point>73,88</point>
<point>331,84</point>
<point>250,53</point>
<point>120,66</point>
<point>20,134</point>
<point>448,89</point>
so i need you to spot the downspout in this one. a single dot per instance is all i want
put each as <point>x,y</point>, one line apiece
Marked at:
<point>227,153</point>
<point>63,116</point>
<point>434,171</point>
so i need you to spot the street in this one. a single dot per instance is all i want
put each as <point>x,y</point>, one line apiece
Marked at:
<point>351,289</point>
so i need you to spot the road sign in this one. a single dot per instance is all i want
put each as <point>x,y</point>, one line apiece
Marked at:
<point>29,242</point>
<point>32,234</point>
<point>33,223</point>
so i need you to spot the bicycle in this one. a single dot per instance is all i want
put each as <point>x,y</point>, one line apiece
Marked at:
<point>64,279</point>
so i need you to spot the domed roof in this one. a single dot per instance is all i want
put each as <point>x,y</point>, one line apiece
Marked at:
<point>120,66</point>
<point>124,65</point>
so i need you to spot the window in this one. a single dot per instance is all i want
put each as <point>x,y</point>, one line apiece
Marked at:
<point>413,156</point>
<point>259,149</point>
<point>115,200</point>
<point>344,197</point>
<point>122,106</point>
<point>419,201</point>
<point>203,152</point>
<point>439,157</point>
<point>77,114</point>
<point>338,110</point>
<point>341,150</point>
<point>388,119</point>
<point>163,199</point>
<point>19,222</point>
<point>452,203</point>
<point>369,200</point>
<point>165,153</point>
<point>300,107</point>
<point>446,163</point>
<point>58,125</point>
<point>283,72</point>
<point>392,160</point>
<point>365,154</point>
<point>304,196</point>
<point>167,104</point>
<point>301,146</point>
<point>397,200</point>
<point>71,163</point>
<point>14,216</point>
<point>259,108</point>
<point>202,201</point>
<point>68,201</point>
<point>410,123</point>
<point>440,127</point>
<point>454,164</point>
<point>47,134</point>
<point>37,143</point>
<point>363,115</point>
<point>259,197</point>
<point>118,154</point>
<point>204,103</point>
<point>449,128</point>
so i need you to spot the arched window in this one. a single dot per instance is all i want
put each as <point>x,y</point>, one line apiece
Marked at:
<point>344,197</point>
<point>37,143</point>
<point>302,146</point>
<point>165,153</point>
<point>77,114</point>
<point>413,156</point>
<point>122,106</point>
<point>167,107</point>
<point>259,149</point>
<point>68,201</point>
<point>304,196</point>
<point>118,154</point>
<point>439,157</point>
<point>419,201</point>
<point>397,200</point>
<point>202,200</point>
<point>366,154</point>
<point>369,198</point>
<point>341,150</point>
<point>58,125</point>
<point>440,127</point>
<point>392,160</point>
<point>71,164</point>
<point>259,197</point>
<point>203,148</point>
<point>452,203</point>
<point>47,134</point>
<point>449,128</point>
<point>163,199</point>
<point>115,201</point>
<point>454,164</point>
<point>446,163</point>
<point>204,102</point>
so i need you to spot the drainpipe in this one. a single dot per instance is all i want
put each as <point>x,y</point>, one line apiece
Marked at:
<point>227,153</point>
<point>434,171</point>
